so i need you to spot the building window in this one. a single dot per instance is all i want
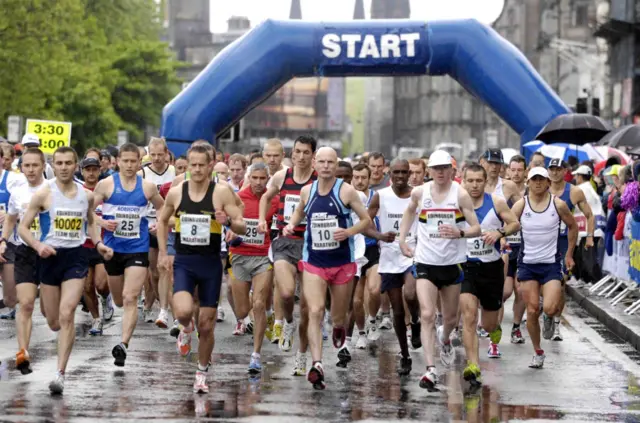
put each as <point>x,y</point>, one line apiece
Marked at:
<point>580,15</point>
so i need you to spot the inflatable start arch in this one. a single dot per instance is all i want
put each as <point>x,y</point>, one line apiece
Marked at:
<point>253,67</point>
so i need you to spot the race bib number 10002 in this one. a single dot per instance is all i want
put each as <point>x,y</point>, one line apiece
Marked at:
<point>67,224</point>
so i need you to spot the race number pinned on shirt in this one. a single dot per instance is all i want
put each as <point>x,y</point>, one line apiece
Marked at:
<point>322,231</point>
<point>476,247</point>
<point>252,236</point>
<point>291,201</point>
<point>435,218</point>
<point>128,224</point>
<point>67,224</point>
<point>35,228</point>
<point>195,229</point>
<point>515,239</point>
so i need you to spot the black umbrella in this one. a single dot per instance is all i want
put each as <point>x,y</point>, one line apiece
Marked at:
<point>625,138</point>
<point>574,128</point>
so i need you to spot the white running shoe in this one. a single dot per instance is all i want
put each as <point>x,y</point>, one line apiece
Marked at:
<point>220,317</point>
<point>56,386</point>
<point>200,385</point>
<point>107,307</point>
<point>362,343</point>
<point>163,319</point>
<point>96,327</point>
<point>549,326</point>
<point>447,352</point>
<point>557,336</point>
<point>286,342</point>
<point>386,323</point>
<point>429,379</point>
<point>537,362</point>
<point>300,366</point>
<point>147,316</point>
<point>373,333</point>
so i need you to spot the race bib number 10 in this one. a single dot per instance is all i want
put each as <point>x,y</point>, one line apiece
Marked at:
<point>322,234</point>
<point>67,224</point>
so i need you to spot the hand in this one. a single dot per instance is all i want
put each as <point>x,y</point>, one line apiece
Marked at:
<point>288,230</point>
<point>449,231</point>
<point>164,261</point>
<point>45,250</point>
<point>340,234</point>
<point>109,225</point>
<point>406,250</point>
<point>491,237</point>
<point>589,242</point>
<point>230,236</point>
<point>262,227</point>
<point>221,217</point>
<point>104,251</point>
<point>387,237</point>
<point>569,263</point>
<point>153,229</point>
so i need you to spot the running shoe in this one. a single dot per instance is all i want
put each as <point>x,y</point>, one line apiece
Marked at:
<point>141,301</point>
<point>557,336</point>
<point>316,376</point>
<point>325,334</point>
<point>200,385</point>
<point>548,327</point>
<point>96,327</point>
<point>255,366</point>
<point>163,319</point>
<point>240,328</point>
<point>147,316</point>
<point>429,379</point>
<point>10,315</point>
<point>277,333</point>
<point>300,366</point>
<point>386,323</point>
<point>248,329</point>
<point>516,336</point>
<point>268,332</point>
<point>286,341</point>
<point>456,337</point>
<point>481,332</point>
<point>439,319</point>
<point>220,316</point>
<point>107,308</point>
<point>538,361</point>
<point>361,344</point>
<point>472,373</point>
<point>56,386</point>
<point>496,335</point>
<point>373,334</point>
<point>493,351</point>
<point>405,366</point>
<point>119,352</point>
<point>175,329</point>
<point>183,343</point>
<point>416,342</point>
<point>447,352</point>
<point>22,362</point>
<point>344,357</point>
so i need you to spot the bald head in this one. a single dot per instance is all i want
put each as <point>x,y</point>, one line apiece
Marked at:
<point>326,162</point>
<point>222,170</point>
<point>324,151</point>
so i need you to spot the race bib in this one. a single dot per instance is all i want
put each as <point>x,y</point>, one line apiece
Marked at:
<point>436,218</point>
<point>195,229</point>
<point>67,225</point>
<point>274,223</point>
<point>515,239</point>
<point>291,201</point>
<point>582,223</point>
<point>322,234</point>
<point>151,212</point>
<point>476,248</point>
<point>35,227</point>
<point>252,236</point>
<point>395,220</point>
<point>128,224</point>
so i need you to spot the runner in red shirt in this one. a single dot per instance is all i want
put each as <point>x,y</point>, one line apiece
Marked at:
<point>250,264</point>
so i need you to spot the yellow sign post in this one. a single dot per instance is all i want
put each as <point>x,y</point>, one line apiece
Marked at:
<point>52,134</point>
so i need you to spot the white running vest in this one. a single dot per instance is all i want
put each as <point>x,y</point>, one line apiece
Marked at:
<point>540,232</point>
<point>18,205</point>
<point>499,191</point>
<point>158,179</point>
<point>489,220</point>
<point>358,239</point>
<point>390,214</point>
<point>432,248</point>
<point>64,225</point>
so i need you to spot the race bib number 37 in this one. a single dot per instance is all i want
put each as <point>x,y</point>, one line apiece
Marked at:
<point>67,224</point>
<point>322,234</point>
<point>195,229</point>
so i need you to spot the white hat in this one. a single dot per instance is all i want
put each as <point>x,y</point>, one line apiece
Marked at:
<point>582,170</point>
<point>28,139</point>
<point>538,171</point>
<point>440,158</point>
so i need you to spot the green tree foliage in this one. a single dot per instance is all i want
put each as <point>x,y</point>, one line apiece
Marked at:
<point>97,63</point>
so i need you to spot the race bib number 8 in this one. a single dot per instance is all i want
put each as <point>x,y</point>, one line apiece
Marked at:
<point>437,218</point>
<point>322,234</point>
<point>128,225</point>
<point>67,224</point>
<point>252,236</point>
<point>195,229</point>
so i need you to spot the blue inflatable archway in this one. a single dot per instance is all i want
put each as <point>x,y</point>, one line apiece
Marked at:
<point>253,67</point>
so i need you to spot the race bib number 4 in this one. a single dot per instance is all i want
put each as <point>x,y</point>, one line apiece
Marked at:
<point>395,220</point>
<point>67,224</point>
<point>128,225</point>
<point>322,234</point>
<point>195,229</point>
<point>252,236</point>
<point>35,227</point>
<point>437,218</point>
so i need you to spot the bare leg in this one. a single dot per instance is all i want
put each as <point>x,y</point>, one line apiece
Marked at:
<point>314,293</point>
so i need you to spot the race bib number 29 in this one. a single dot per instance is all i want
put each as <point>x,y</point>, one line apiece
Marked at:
<point>252,236</point>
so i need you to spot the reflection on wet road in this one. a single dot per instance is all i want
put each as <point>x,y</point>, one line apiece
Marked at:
<point>587,377</point>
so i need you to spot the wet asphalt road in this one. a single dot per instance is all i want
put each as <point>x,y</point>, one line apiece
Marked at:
<point>590,376</point>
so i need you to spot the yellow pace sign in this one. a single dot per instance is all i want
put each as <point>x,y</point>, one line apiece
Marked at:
<point>52,134</point>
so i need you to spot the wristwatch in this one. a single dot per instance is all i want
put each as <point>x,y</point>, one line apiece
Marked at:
<point>461,233</point>
<point>502,232</point>
<point>589,235</point>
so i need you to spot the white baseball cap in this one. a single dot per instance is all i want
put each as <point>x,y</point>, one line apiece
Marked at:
<point>440,158</point>
<point>582,170</point>
<point>29,139</point>
<point>538,171</point>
